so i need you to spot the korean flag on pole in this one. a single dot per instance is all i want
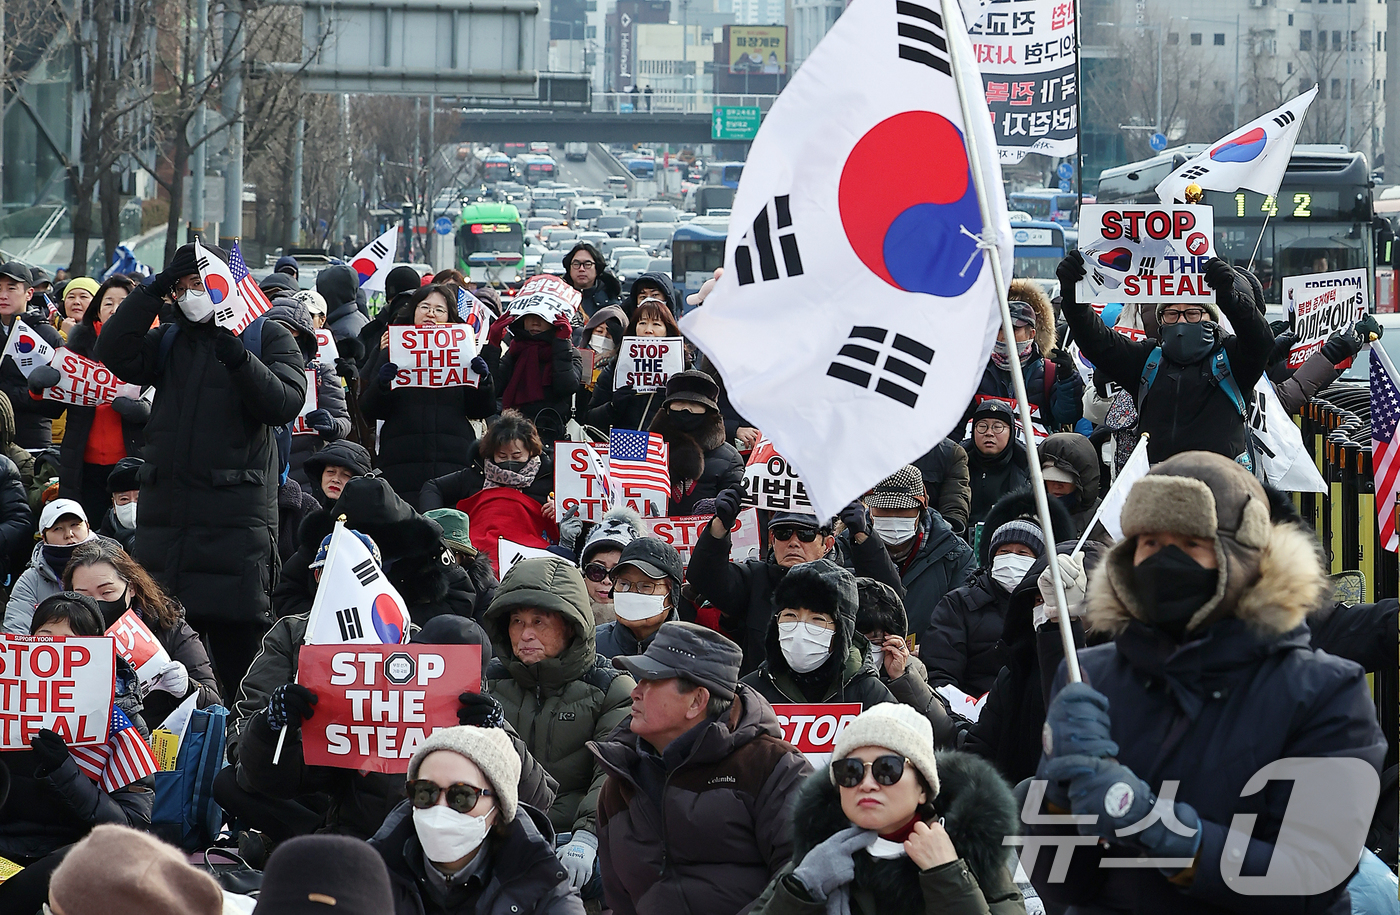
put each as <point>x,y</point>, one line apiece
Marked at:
<point>355,603</point>
<point>857,310</point>
<point>26,348</point>
<point>375,260</point>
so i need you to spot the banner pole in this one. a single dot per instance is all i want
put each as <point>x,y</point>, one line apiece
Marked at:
<point>1042,502</point>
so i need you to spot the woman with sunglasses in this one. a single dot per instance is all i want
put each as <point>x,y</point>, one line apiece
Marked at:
<point>427,432</point>
<point>890,827</point>
<point>814,651</point>
<point>462,843</point>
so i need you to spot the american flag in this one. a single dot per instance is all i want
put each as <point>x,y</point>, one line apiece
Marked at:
<point>123,759</point>
<point>254,300</point>
<point>639,460</point>
<point>1385,452</point>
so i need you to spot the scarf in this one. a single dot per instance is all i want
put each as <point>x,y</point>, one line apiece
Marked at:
<point>532,371</point>
<point>497,476</point>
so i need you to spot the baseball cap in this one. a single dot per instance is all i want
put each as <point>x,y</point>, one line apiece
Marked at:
<point>1054,473</point>
<point>653,557</point>
<point>18,271</point>
<point>57,509</point>
<point>796,519</point>
<point>688,650</point>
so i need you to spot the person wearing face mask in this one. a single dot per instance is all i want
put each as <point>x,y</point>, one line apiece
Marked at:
<point>1192,385</point>
<point>103,571</point>
<point>1070,465</point>
<point>602,550</point>
<point>814,651</point>
<point>585,269</point>
<point>1053,384</point>
<point>539,371</point>
<point>209,509</point>
<point>33,415</point>
<point>996,459</point>
<point>462,842</point>
<point>930,558</point>
<point>702,463</point>
<point>63,525</point>
<point>646,590</point>
<point>620,405</point>
<point>603,333</point>
<point>1210,676</point>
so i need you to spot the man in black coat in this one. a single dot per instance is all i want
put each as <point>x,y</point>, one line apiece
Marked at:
<point>208,528</point>
<point>33,416</point>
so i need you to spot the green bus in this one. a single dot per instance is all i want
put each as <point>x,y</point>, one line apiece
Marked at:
<point>491,244</point>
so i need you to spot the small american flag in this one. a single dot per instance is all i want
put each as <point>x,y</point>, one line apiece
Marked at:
<point>1385,451</point>
<point>639,461</point>
<point>123,759</point>
<point>253,297</point>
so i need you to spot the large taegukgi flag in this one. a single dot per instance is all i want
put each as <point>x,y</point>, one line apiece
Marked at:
<point>856,313</point>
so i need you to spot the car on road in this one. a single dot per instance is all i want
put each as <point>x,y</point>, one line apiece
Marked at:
<point>576,152</point>
<point>667,214</point>
<point>552,262</point>
<point>629,250</point>
<point>655,237</point>
<point>556,217</point>
<point>616,226</point>
<point>608,245</point>
<point>539,148</point>
<point>630,267</point>
<point>592,238</point>
<point>563,239</point>
<point>660,265</point>
<point>584,216</point>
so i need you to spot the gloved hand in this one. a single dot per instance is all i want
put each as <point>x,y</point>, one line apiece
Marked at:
<point>289,705</point>
<point>173,679</point>
<point>50,750</point>
<point>856,517</point>
<point>1119,801</point>
<point>131,408</point>
<point>183,264</point>
<point>480,711</point>
<point>497,331</point>
<point>1077,723</point>
<point>578,857</point>
<point>44,376</point>
<point>1282,344</point>
<point>346,368</point>
<point>728,505</point>
<point>1341,346</point>
<point>1220,276</point>
<point>323,423</point>
<point>563,330</point>
<point>478,365</point>
<point>1076,583</point>
<point>1368,327</point>
<point>387,371</point>
<point>1070,271</point>
<point>229,350</point>
<point>830,864</point>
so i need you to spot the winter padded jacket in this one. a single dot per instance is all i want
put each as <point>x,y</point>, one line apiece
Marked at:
<point>447,490</point>
<point>208,528</point>
<point>604,292</point>
<point>559,704</point>
<point>1053,385</point>
<point>614,640</point>
<point>1074,453</point>
<point>1302,386</point>
<point>78,425</point>
<point>977,809</point>
<point>946,482</point>
<point>994,477</point>
<point>702,463</point>
<point>962,644</point>
<point>339,285</point>
<point>606,410</point>
<point>942,562</point>
<point>33,417</point>
<point>39,581</point>
<point>330,396</point>
<point>552,412</point>
<point>17,521</point>
<point>703,826</point>
<point>522,876</point>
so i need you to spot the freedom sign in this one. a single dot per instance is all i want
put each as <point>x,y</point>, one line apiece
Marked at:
<point>1146,253</point>
<point>135,642</point>
<point>685,531</point>
<point>813,728</point>
<point>1322,304</point>
<point>85,382</point>
<point>646,363</point>
<point>580,479</point>
<point>771,483</point>
<point>433,356</point>
<point>55,683</point>
<point>377,704</point>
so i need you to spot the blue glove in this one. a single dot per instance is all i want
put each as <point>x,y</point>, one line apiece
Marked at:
<point>478,365</point>
<point>1077,723</point>
<point>1119,800</point>
<point>387,371</point>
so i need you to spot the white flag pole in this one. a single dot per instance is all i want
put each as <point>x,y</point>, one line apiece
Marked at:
<point>1098,512</point>
<point>952,20</point>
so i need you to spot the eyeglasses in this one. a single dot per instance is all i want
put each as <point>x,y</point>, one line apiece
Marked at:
<point>424,793</point>
<point>850,772</point>
<point>1190,315</point>
<point>579,263</point>
<point>990,427</point>
<point>596,572</point>
<point>436,311</point>
<point>784,534</point>
<point>643,587</point>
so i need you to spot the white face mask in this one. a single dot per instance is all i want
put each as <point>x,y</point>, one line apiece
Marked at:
<point>634,607</point>
<point>602,344</point>
<point>1009,568</point>
<point>805,645</point>
<point>877,654</point>
<point>197,305</point>
<point>894,531</point>
<point>126,514</point>
<point>447,835</point>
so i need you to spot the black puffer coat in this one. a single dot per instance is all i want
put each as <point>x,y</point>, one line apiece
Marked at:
<point>606,291</point>
<point>552,412</point>
<point>330,392</point>
<point>994,477</point>
<point>946,483</point>
<point>208,528</point>
<point>17,522</point>
<point>962,644</point>
<point>1075,454</point>
<point>703,463</point>
<point>340,287</point>
<point>83,340</point>
<point>33,418</point>
<point>942,562</point>
<point>446,491</point>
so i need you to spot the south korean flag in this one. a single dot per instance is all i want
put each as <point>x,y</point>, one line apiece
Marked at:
<point>857,307</point>
<point>26,348</point>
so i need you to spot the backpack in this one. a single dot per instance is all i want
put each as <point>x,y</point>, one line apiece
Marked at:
<point>1219,370</point>
<point>185,812</point>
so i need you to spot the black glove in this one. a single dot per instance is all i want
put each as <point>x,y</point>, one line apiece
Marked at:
<point>1065,362</point>
<point>1368,327</point>
<point>183,264</point>
<point>44,376</point>
<point>478,365</point>
<point>1282,344</point>
<point>480,711</point>
<point>347,369</point>
<point>50,749</point>
<point>1220,276</point>
<point>130,408</point>
<point>855,516</point>
<point>1341,346</point>
<point>387,371</point>
<point>727,506</point>
<point>1070,271</point>
<point>321,421</point>
<point>229,350</point>
<point>289,705</point>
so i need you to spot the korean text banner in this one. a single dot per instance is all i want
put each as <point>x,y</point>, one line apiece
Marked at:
<point>758,49</point>
<point>1137,253</point>
<point>1025,50</point>
<point>60,684</point>
<point>376,704</point>
<point>1321,304</point>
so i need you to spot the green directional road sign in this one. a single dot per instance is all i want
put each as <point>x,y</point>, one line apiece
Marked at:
<point>735,123</point>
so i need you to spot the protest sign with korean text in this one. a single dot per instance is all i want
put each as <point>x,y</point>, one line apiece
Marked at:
<point>86,383</point>
<point>377,704</point>
<point>1322,304</point>
<point>684,532</point>
<point>136,643</point>
<point>433,355</point>
<point>60,684</point>
<point>299,427</point>
<point>1025,50</point>
<point>1141,253</point>
<point>813,728</point>
<point>644,363</point>
<point>545,296</point>
<point>508,553</point>
<point>771,484</point>
<point>581,479</point>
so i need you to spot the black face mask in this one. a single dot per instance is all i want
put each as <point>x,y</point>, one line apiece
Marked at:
<point>511,466</point>
<point>113,609</point>
<point>1070,502</point>
<point>1170,586</point>
<point>1185,343</point>
<point>57,556</point>
<point>686,421</point>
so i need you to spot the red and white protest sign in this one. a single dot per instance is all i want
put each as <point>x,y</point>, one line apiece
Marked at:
<point>326,350</point>
<point>55,683</point>
<point>299,427</point>
<point>1143,253</point>
<point>771,484</point>
<point>645,363</point>
<point>138,644</point>
<point>377,704</point>
<point>1322,304</point>
<point>545,296</point>
<point>683,533</point>
<point>580,479</point>
<point>813,729</point>
<point>433,356</point>
<point>86,383</point>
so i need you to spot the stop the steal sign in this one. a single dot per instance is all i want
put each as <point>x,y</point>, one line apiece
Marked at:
<point>813,729</point>
<point>1146,253</point>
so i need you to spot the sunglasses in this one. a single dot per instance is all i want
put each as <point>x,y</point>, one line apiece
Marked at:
<point>424,793</point>
<point>850,772</point>
<point>784,534</point>
<point>596,572</point>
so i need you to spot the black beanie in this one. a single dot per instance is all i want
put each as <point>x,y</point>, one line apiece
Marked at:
<point>400,280</point>
<point>320,874</point>
<point>451,629</point>
<point>123,476</point>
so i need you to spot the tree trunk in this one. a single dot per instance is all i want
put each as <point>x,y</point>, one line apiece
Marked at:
<point>82,227</point>
<point>179,165</point>
<point>109,195</point>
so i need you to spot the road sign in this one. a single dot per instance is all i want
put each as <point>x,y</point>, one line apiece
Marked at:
<point>735,123</point>
<point>442,225</point>
<point>1066,186</point>
<point>1158,142</point>
<point>1066,170</point>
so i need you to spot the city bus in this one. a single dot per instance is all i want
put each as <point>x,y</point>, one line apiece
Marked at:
<point>1320,220</point>
<point>725,173</point>
<point>496,167</point>
<point>491,244</point>
<point>1046,203</point>
<point>536,168</point>
<point>1040,246</point>
<point>697,248</point>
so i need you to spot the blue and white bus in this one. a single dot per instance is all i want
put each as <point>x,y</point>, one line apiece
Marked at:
<point>697,248</point>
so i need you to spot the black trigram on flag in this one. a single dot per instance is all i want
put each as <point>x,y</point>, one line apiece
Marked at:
<point>1285,118</point>
<point>350,626</point>
<point>366,571</point>
<point>759,240</point>
<point>1147,265</point>
<point>897,368</point>
<point>921,36</point>
<point>379,249</point>
<point>1194,172</point>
